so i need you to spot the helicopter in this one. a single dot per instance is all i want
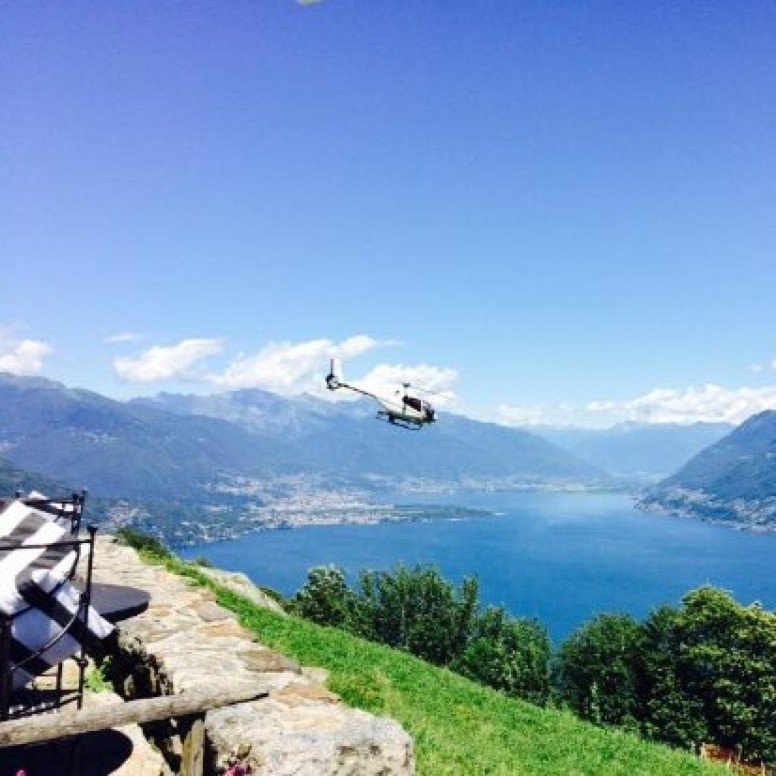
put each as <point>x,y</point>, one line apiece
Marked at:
<point>405,410</point>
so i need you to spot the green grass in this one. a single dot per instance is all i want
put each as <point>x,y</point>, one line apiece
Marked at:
<point>96,678</point>
<point>458,726</point>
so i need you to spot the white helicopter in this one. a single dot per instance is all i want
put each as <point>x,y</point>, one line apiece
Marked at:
<point>403,409</point>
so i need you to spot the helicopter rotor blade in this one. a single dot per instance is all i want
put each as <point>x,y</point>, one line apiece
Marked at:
<point>443,394</point>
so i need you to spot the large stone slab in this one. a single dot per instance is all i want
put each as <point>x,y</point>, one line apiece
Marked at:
<point>240,584</point>
<point>185,641</point>
<point>309,738</point>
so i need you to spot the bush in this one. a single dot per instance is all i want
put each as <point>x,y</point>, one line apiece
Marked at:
<point>703,673</point>
<point>721,658</point>
<point>597,667</point>
<point>276,596</point>
<point>667,712</point>
<point>143,542</point>
<point>326,598</point>
<point>417,610</point>
<point>509,654</point>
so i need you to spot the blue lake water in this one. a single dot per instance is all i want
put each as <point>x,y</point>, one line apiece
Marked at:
<point>559,557</point>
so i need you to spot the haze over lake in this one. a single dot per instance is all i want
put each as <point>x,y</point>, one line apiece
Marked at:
<point>559,557</point>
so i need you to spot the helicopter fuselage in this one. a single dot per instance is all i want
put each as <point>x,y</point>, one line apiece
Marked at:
<point>406,411</point>
<point>399,412</point>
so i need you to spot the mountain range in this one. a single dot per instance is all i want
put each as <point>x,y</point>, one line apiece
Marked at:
<point>119,449</point>
<point>733,480</point>
<point>639,452</point>
<point>182,446</point>
<point>184,450</point>
<point>13,479</point>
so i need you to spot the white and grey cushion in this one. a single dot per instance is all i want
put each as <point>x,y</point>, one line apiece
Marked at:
<point>35,593</point>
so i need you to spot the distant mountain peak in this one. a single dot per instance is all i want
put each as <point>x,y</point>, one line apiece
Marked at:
<point>638,452</point>
<point>25,381</point>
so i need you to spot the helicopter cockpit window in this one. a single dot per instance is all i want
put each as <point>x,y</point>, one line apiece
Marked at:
<point>411,401</point>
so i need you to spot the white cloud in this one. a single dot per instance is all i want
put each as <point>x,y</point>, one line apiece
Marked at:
<point>173,362</point>
<point>121,337</point>
<point>286,368</point>
<point>707,403</point>
<point>762,366</point>
<point>21,356</point>
<point>291,367</point>
<point>688,405</point>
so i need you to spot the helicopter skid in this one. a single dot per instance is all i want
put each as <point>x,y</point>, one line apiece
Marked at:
<point>400,422</point>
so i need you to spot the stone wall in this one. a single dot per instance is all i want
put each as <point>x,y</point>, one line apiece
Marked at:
<point>185,640</point>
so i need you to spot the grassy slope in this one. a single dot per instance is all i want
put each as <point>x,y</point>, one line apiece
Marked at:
<point>459,727</point>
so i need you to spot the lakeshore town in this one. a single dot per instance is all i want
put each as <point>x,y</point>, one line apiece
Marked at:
<point>244,505</point>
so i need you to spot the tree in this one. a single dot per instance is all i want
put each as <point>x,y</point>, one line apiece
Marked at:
<point>725,654</point>
<point>417,610</point>
<point>509,654</point>
<point>326,598</point>
<point>668,713</point>
<point>596,670</point>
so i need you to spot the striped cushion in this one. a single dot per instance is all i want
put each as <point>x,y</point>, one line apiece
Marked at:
<point>34,591</point>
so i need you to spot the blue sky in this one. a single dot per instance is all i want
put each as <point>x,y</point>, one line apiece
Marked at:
<point>554,208</point>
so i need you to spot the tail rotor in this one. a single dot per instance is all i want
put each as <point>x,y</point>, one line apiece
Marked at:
<point>334,379</point>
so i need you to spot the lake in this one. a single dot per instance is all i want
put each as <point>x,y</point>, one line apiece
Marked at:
<point>559,557</point>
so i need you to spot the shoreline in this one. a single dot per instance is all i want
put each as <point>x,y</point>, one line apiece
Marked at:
<point>655,508</point>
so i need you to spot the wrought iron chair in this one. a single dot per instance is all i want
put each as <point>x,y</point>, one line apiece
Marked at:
<point>67,511</point>
<point>17,662</point>
<point>69,755</point>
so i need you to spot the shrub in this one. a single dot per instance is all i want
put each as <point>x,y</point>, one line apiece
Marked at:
<point>417,610</point>
<point>326,598</point>
<point>721,658</point>
<point>276,596</point>
<point>702,673</point>
<point>596,670</point>
<point>667,712</point>
<point>142,542</point>
<point>510,654</point>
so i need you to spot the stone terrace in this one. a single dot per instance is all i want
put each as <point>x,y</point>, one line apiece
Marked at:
<point>185,640</point>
